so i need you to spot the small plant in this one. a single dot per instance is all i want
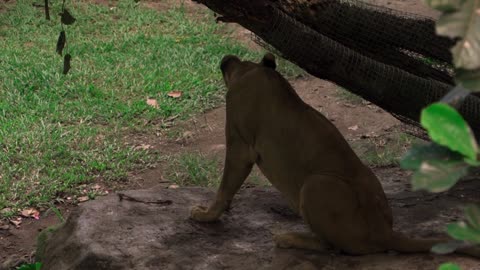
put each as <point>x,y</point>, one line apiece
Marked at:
<point>57,213</point>
<point>32,266</point>
<point>449,266</point>
<point>439,165</point>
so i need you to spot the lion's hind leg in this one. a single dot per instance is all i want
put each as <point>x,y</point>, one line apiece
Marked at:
<point>331,209</point>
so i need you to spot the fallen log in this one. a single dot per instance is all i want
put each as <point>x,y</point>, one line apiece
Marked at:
<point>390,58</point>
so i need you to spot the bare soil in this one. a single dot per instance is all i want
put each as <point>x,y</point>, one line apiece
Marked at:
<point>364,125</point>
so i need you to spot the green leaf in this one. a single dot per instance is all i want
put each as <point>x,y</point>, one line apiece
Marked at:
<point>444,5</point>
<point>461,231</point>
<point>449,266</point>
<point>472,213</point>
<point>464,24</point>
<point>427,152</point>
<point>438,175</point>
<point>470,79</point>
<point>447,127</point>
<point>472,162</point>
<point>57,213</point>
<point>446,248</point>
<point>33,266</point>
<point>436,167</point>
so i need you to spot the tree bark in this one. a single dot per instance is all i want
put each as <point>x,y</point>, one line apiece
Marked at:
<point>394,89</point>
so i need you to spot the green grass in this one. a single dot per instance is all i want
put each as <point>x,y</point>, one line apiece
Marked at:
<point>32,266</point>
<point>348,97</point>
<point>385,150</point>
<point>195,169</point>
<point>256,178</point>
<point>57,131</point>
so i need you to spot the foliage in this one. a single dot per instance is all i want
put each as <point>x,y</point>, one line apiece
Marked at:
<point>57,213</point>
<point>438,166</point>
<point>462,21</point>
<point>446,127</point>
<point>33,266</point>
<point>470,230</point>
<point>448,266</point>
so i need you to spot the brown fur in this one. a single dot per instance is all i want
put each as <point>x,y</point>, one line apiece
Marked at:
<point>307,159</point>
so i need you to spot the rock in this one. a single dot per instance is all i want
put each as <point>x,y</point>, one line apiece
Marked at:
<point>151,229</point>
<point>130,234</point>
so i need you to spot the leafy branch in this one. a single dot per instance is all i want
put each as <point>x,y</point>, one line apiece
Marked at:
<point>439,165</point>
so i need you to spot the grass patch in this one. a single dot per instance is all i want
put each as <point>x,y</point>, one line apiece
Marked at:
<point>256,178</point>
<point>385,150</point>
<point>57,131</point>
<point>194,169</point>
<point>348,97</point>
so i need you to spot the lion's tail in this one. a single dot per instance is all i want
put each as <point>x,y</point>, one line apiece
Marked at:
<point>404,244</point>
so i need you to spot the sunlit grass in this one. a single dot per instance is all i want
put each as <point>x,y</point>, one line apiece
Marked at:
<point>57,131</point>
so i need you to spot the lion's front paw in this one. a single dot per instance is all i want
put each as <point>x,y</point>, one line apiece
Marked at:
<point>201,213</point>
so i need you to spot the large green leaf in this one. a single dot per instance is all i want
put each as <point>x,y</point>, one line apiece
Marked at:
<point>438,175</point>
<point>449,266</point>
<point>461,231</point>
<point>33,266</point>
<point>472,213</point>
<point>447,127</point>
<point>464,23</point>
<point>427,152</point>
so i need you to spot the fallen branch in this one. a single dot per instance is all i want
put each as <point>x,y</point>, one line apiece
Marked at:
<point>122,196</point>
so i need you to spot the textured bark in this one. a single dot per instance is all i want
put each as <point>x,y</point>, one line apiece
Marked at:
<point>377,33</point>
<point>394,89</point>
<point>367,24</point>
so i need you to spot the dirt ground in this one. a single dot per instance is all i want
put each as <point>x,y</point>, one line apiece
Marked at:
<point>360,122</point>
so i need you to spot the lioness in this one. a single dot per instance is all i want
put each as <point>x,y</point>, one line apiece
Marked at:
<point>307,159</point>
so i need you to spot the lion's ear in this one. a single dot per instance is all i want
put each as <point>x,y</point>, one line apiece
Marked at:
<point>269,61</point>
<point>226,60</point>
